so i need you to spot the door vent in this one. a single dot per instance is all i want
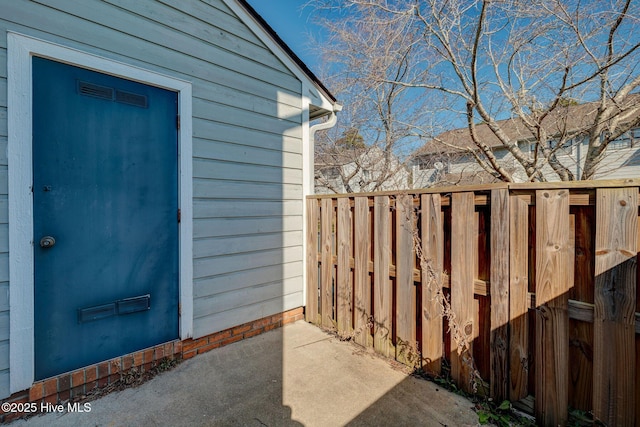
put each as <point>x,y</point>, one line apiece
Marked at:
<point>90,89</point>
<point>131,98</point>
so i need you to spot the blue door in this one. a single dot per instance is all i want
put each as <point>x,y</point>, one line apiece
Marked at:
<point>105,199</point>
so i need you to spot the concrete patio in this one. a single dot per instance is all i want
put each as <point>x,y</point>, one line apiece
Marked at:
<point>296,375</point>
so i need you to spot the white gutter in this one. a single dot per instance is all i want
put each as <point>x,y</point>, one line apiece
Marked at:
<point>333,119</point>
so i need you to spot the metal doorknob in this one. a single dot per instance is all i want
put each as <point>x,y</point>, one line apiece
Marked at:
<point>47,242</point>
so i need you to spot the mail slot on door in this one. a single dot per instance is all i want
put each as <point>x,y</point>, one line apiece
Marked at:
<point>120,307</point>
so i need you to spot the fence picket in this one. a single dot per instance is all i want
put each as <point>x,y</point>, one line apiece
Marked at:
<point>462,302</point>
<point>433,252</point>
<point>519,360</point>
<point>382,294</point>
<point>499,352</point>
<point>554,275</point>
<point>344,283</point>
<point>615,302</point>
<point>362,284</point>
<point>326,280</point>
<point>581,333</point>
<point>311,311</point>
<point>406,349</point>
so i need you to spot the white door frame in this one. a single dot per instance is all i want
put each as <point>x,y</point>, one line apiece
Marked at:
<point>20,50</point>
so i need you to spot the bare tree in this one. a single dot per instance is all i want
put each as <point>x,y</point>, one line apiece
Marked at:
<point>371,71</point>
<point>529,61</point>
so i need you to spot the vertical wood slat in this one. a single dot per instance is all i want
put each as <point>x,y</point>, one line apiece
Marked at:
<point>518,298</point>
<point>406,349</point>
<point>362,290</point>
<point>481,304</point>
<point>581,333</point>
<point>462,266</point>
<point>311,311</point>
<point>432,267</point>
<point>343,280</point>
<point>615,303</point>
<point>499,347</point>
<point>637,362</point>
<point>382,295</point>
<point>326,280</point>
<point>554,275</point>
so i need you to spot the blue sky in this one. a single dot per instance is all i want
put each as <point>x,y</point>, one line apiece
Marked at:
<point>292,23</point>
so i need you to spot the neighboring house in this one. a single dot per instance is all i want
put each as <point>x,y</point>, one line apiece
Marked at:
<point>358,170</point>
<point>446,159</point>
<point>154,159</point>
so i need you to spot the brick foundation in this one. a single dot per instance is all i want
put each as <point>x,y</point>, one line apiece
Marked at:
<point>83,381</point>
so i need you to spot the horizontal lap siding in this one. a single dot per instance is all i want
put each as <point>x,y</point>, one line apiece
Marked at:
<point>612,167</point>
<point>247,143</point>
<point>4,229</point>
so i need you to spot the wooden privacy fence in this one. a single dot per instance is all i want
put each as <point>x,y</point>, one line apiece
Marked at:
<point>541,279</point>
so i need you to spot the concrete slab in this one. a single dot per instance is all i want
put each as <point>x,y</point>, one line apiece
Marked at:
<point>293,376</point>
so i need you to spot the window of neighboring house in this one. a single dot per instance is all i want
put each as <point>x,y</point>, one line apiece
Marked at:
<point>331,173</point>
<point>623,141</point>
<point>567,146</point>
<point>566,149</point>
<point>423,162</point>
<point>436,162</point>
<point>500,153</point>
<point>366,174</point>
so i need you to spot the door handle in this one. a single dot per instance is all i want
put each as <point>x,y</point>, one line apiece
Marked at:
<point>47,242</point>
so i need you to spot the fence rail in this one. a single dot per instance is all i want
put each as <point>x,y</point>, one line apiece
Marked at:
<point>541,280</point>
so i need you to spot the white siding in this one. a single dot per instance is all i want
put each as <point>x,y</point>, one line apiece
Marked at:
<point>613,166</point>
<point>247,143</point>
<point>617,164</point>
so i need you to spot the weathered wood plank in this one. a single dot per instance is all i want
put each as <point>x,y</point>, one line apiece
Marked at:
<point>576,184</point>
<point>499,293</point>
<point>311,311</point>
<point>463,238</point>
<point>326,278</point>
<point>554,274</point>
<point>432,264</point>
<point>581,332</point>
<point>637,362</point>
<point>344,282</point>
<point>615,301</point>
<point>482,307</point>
<point>362,288</point>
<point>382,294</point>
<point>406,348</point>
<point>518,298</point>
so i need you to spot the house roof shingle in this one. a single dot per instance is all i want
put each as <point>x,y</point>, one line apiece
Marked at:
<point>570,120</point>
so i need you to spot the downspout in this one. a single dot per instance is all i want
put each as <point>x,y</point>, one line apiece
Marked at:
<point>310,187</point>
<point>333,119</point>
